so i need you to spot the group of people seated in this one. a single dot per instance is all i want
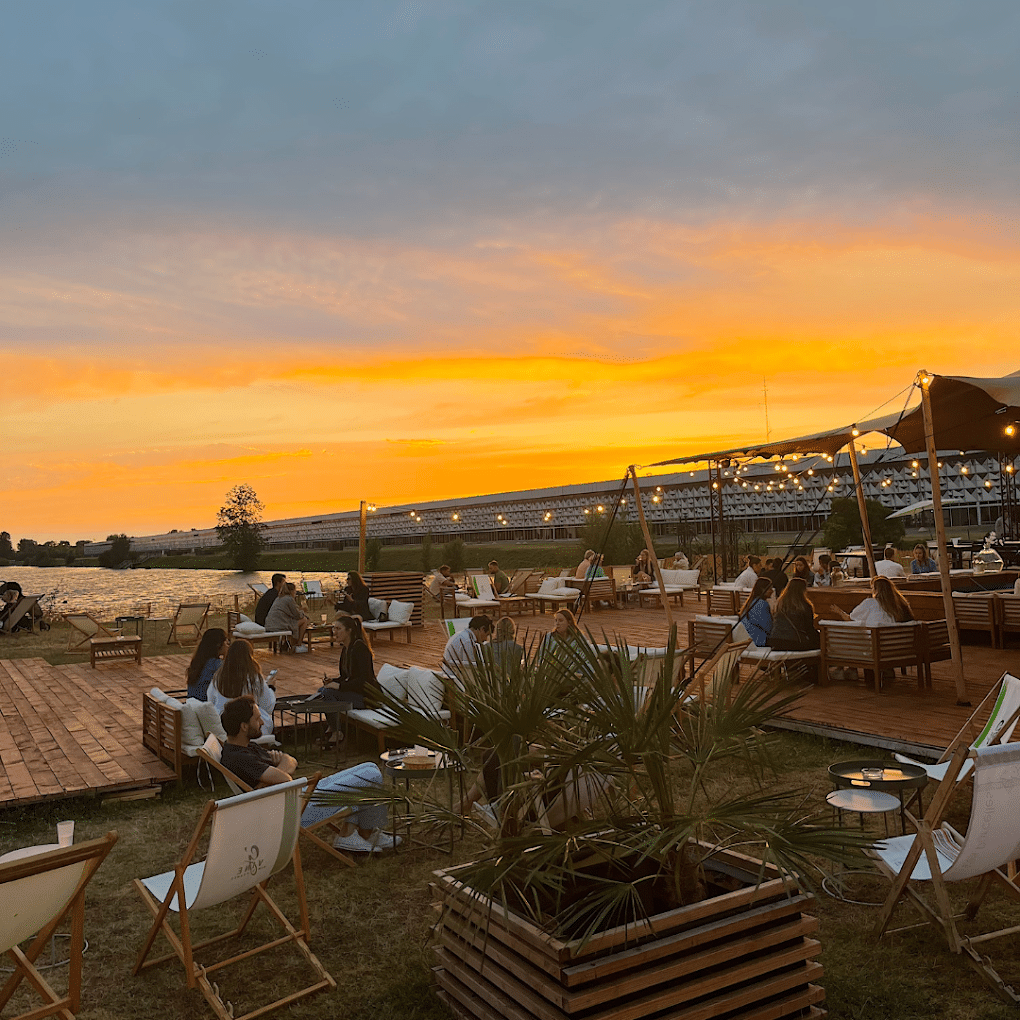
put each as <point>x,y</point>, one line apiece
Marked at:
<point>825,574</point>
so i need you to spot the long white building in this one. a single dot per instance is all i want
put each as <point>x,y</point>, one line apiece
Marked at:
<point>762,497</point>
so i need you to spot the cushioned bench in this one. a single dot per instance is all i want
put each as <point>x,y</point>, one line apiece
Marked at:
<point>420,688</point>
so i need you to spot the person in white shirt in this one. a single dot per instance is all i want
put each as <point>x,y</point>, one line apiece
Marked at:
<point>887,607</point>
<point>888,567</point>
<point>462,649</point>
<point>747,577</point>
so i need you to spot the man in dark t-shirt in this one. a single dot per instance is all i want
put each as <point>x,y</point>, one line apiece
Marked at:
<point>265,603</point>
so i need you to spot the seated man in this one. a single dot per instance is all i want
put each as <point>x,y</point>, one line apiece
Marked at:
<point>500,582</point>
<point>462,649</point>
<point>265,602</point>
<point>888,566</point>
<point>258,767</point>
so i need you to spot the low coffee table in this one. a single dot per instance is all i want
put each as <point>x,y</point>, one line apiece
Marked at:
<point>123,647</point>
<point>299,705</point>
<point>319,634</point>
<point>897,779</point>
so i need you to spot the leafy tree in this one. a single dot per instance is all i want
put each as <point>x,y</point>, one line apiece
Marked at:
<point>119,551</point>
<point>373,554</point>
<point>6,549</point>
<point>426,553</point>
<point>622,544</point>
<point>455,554</point>
<point>239,526</point>
<point>27,548</point>
<point>843,527</point>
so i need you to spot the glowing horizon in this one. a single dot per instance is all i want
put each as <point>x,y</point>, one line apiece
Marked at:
<point>335,271</point>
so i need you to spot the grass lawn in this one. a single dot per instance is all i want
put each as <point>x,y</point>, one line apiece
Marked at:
<point>370,924</point>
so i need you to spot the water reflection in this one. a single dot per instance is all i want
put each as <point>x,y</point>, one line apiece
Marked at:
<point>108,593</point>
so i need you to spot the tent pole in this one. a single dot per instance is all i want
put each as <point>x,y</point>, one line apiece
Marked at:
<point>924,381</point>
<point>862,506</point>
<point>651,549</point>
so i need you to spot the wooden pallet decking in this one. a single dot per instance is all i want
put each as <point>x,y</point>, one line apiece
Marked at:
<point>70,730</point>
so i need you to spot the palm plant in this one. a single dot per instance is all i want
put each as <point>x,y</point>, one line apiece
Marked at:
<point>617,787</point>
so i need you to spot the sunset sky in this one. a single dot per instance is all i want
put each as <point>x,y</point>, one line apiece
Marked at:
<point>405,251</point>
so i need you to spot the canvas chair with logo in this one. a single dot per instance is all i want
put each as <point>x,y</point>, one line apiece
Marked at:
<point>36,894</point>
<point>189,621</point>
<point>212,754</point>
<point>1004,700</point>
<point>252,837</point>
<point>938,854</point>
<point>312,589</point>
<point>84,628</point>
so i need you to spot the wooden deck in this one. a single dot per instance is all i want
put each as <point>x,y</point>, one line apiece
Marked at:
<point>71,731</point>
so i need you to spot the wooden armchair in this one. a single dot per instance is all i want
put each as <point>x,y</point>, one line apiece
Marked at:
<point>979,612</point>
<point>936,645</point>
<point>1009,616</point>
<point>706,637</point>
<point>872,649</point>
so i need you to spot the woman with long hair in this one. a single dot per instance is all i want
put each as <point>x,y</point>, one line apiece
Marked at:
<point>356,597</point>
<point>802,569</point>
<point>357,666</point>
<point>239,675</point>
<point>887,606</point>
<point>922,563</point>
<point>505,650</point>
<point>643,569</point>
<point>793,624</point>
<point>756,614</point>
<point>285,614</point>
<point>206,661</point>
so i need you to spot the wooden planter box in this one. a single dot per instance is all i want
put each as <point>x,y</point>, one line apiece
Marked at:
<point>742,955</point>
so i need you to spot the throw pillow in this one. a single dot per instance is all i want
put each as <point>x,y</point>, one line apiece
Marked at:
<point>209,720</point>
<point>376,606</point>
<point>400,612</point>
<point>393,681</point>
<point>424,690</point>
<point>192,734</point>
<point>250,629</point>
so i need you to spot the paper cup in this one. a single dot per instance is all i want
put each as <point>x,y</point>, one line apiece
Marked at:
<point>65,833</point>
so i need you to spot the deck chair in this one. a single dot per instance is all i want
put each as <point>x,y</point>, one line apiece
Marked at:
<point>189,621</point>
<point>22,608</point>
<point>252,837</point>
<point>937,853</point>
<point>484,597</point>
<point>84,628</point>
<point>259,588</point>
<point>36,893</point>
<point>312,589</point>
<point>1004,701</point>
<point>211,752</point>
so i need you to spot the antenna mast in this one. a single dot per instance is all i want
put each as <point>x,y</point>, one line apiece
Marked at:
<point>768,431</point>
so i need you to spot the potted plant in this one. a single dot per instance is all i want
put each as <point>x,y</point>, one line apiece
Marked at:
<point>627,870</point>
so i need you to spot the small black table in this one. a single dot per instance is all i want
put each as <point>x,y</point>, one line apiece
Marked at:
<point>394,767</point>
<point>298,705</point>
<point>897,778</point>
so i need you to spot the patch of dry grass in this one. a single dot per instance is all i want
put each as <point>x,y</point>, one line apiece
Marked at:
<point>370,924</point>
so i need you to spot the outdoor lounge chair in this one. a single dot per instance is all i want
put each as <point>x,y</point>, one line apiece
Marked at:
<point>36,894</point>
<point>676,583</point>
<point>872,649</point>
<point>556,591</point>
<point>84,628</point>
<point>211,752</point>
<point>1004,700</point>
<point>312,589</point>
<point>937,853</point>
<point>25,606</point>
<point>484,597</point>
<point>252,837</point>
<point>189,621</point>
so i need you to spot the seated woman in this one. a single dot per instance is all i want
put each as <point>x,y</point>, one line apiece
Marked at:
<point>284,614</point>
<point>565,641</point>
<point>355,600</point>
<point>922,563</point>
<point>506,652</point>
<point>241,675</point>
<point>887,606</point>
<point>823,575</point>
<point>775,573</point>
<point>206,661</point>
<point>755,614</point>
<point>643,569</point>
<point>357,666</point>
<point>802,569</point>
<point>793,624</point>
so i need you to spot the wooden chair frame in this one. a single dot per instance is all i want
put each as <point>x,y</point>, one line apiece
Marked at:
<point>184,948</point>
<point>85,636</point>
<point>872,649</point>
<point>310,832</point>
<point>25,605</point>
<point>193,621</point>
<point>91,854</point>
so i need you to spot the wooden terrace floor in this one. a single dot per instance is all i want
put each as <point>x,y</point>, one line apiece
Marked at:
<point>71,730</point>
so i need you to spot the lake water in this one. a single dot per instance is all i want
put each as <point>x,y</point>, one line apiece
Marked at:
<point>109,593</point>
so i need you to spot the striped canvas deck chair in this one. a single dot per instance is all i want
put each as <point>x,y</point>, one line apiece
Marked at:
<point>259,588</point>
<point>189,621</point>
<point>1004,699</point>
<point>36,894</point>
<point>252,837</point>
<point>212,754</point>
<point>938,854</point>
<point>85,627</point>
<point>312,589</point>
<point>22,608</point>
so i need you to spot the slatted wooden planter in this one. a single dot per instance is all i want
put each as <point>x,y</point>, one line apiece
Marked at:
<point>745,954</point>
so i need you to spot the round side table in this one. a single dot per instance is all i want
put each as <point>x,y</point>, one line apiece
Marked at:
<point>861,803</point>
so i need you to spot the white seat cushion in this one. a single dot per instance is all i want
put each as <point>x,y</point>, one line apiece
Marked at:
<point>377,718</point>
<point>376,625</point>
<point>400,612</point>
<point>192,734</point>
<point>772,655</point>
<point>550,585</point>
<point>425,691</point>
<point>249,629</point>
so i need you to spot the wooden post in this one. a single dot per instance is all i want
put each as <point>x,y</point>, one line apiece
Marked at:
<point>924,381</point>
<point>651,548</point>
<point>362,529</point>
<point>862,506</point>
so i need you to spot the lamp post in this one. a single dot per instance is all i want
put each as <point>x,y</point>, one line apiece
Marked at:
<point>363,512</point>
